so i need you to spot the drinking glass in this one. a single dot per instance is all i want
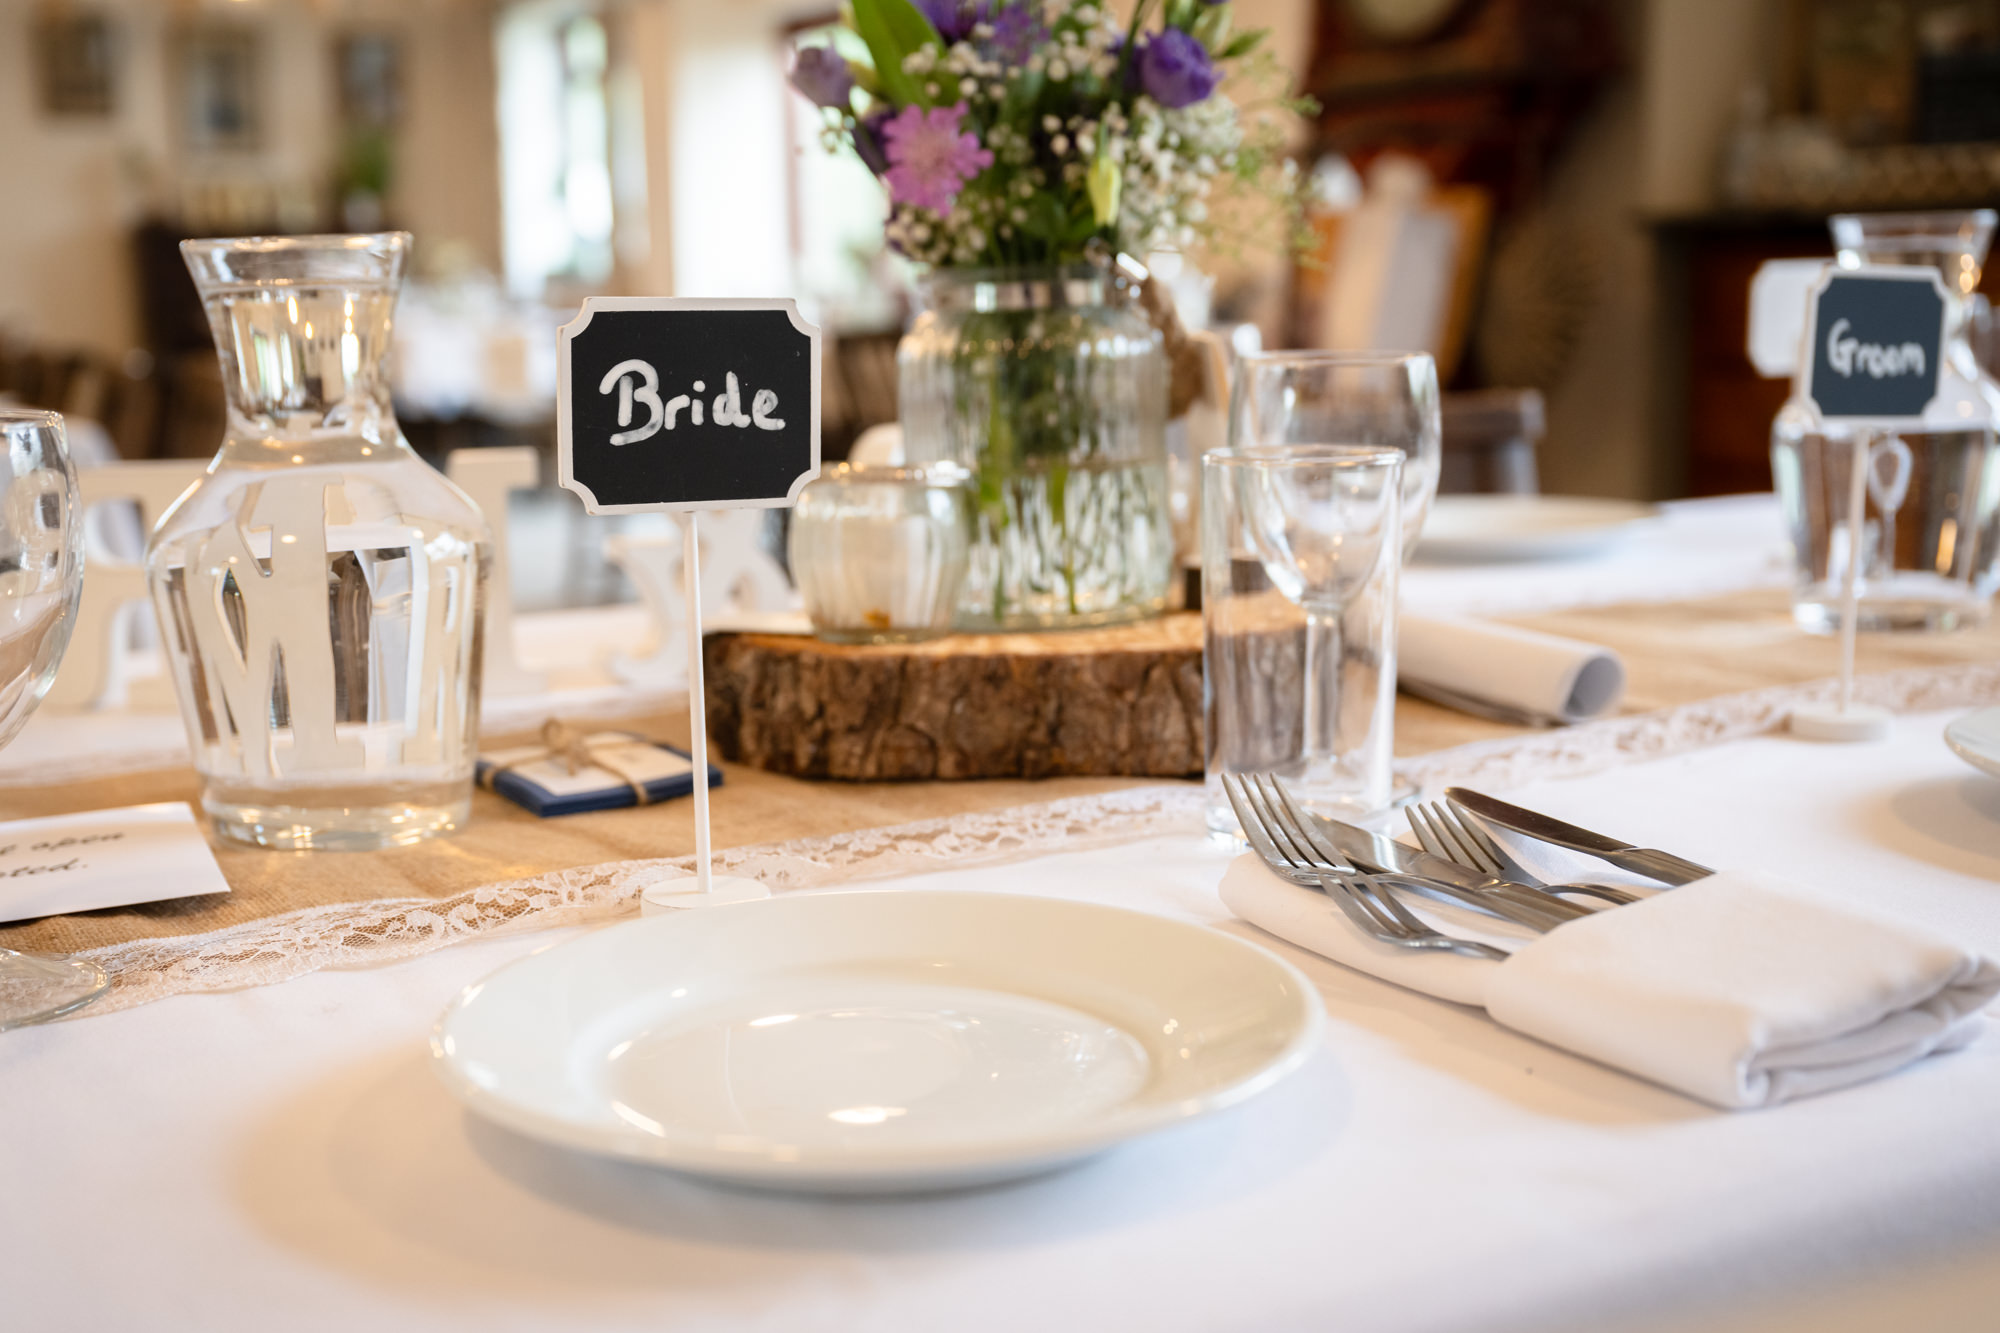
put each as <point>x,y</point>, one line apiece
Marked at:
<point>1378,399</point>
<point>879,553</point>
<point>41,573</point>
<point>1301,547</point>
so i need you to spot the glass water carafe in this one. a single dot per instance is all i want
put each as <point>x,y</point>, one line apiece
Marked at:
<point>321,590</point>
<point>1929,547</point>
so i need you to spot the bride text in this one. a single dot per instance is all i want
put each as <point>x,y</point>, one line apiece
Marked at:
<point>636,382</point>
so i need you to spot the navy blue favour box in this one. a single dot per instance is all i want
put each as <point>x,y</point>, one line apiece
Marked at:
<point>542,781</point>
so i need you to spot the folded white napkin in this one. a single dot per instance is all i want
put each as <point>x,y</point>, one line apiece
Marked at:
<point>1738,989</point>
<point>1564,679</point>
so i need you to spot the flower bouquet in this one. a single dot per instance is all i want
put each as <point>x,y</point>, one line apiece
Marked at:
<point>1026,144</point>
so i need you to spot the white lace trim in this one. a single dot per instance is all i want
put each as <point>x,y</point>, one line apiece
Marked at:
<point>359,934</point>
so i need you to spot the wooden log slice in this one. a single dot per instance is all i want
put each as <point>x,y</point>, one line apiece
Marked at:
<point>1118,701</point>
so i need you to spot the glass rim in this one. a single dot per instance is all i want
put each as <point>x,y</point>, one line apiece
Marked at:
<point>1356,456</point>
<point>1945,219</point>
<point>1327,356</point>
<point>1024,287</point>
<point>328,240</point>
<point>942,473</point>
<point>11,416</point>
<point>226,265</point>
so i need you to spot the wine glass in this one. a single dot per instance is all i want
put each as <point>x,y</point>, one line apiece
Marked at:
<point>1301,550</point>
<point>1353,398</point>
<point>41,574</point>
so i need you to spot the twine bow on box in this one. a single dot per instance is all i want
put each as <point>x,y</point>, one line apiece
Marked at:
<point>577,750</point>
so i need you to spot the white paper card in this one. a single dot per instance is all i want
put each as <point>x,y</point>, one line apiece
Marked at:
<point>104,858</point>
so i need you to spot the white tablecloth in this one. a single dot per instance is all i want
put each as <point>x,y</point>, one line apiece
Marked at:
<point>281,1157</point>
<point>1695,548</point>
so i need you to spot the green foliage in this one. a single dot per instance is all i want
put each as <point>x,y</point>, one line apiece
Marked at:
<point>893,29</point>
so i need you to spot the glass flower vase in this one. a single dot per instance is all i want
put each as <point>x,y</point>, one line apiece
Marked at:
<point>1049,386</point>
<point>321,590</point>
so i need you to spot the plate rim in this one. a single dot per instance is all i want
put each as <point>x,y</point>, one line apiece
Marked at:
<point>1971,758</point>
<point>1007,1158</point>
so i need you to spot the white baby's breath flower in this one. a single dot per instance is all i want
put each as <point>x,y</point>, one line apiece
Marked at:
<point>1058,69</point>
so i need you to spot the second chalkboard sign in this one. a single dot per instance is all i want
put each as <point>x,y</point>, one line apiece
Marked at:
<point>1876,336</point>
<point>671,404</point>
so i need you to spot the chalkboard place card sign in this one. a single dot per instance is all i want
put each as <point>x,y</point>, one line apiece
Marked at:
<point>687,404</point>
<point>669,404</point>
<point>1876,333</point>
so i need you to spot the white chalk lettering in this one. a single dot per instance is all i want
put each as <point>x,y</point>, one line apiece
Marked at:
<point>761,407</point>
<point>635,381</point>
<point>729,406</point>
<point>648,393</point>
<point>1846,353</point>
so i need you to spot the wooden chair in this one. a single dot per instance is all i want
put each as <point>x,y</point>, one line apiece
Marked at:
<point>866,366</point>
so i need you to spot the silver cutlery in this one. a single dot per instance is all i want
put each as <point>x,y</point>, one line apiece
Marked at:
<point>1371,905</point>
<point>1442,831</point>
<point>1648,861</point>
<point>1380,852</point>
<point>1286,838</point>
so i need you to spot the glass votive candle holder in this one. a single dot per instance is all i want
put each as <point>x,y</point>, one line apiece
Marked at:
<point>879,553</point>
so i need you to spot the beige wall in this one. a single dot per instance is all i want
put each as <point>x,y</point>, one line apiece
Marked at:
<point>1650,148</point>
<point>65,267</point>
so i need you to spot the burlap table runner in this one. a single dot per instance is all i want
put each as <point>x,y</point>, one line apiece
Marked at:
<point>1675,653</point>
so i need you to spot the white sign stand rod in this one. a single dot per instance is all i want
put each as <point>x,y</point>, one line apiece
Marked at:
<point>614,363</point>
<point>1849,721</point>
<point>697,697</point>
<point>1850,594</point>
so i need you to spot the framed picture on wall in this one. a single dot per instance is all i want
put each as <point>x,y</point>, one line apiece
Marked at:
<point>75,54</point>
<point>370,69</point>
<point>221,89</point>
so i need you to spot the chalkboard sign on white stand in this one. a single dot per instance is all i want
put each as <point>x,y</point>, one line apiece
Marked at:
<point>1870,364</point>
<point>685,405</point>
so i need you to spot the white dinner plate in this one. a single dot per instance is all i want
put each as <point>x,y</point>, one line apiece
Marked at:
<point>874,1041</point>
<point>1526,527</point>
<point>1975,738</point>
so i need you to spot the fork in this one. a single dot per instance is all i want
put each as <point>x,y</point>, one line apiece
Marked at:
<point>1288,849</point>
<point>1442,831</point>
<point>1371,905</point>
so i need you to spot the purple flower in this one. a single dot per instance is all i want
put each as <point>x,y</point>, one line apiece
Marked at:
<point>822,75</point>
<point>868,140</point>
<point>1175,69</point>
<point>1017,31</point>
<point>953,19</point>
<point>930,159</point>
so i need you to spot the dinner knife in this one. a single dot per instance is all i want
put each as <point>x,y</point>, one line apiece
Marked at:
<point>1648,861</point>
<point>1379,852</point>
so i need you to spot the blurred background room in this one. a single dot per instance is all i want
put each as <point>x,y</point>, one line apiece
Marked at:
<point>1563,200</point>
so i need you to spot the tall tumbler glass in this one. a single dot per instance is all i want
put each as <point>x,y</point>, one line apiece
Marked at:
<point>1301,548</point>
<point>1382,399</point>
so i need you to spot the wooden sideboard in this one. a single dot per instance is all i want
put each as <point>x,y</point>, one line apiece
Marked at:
<point>1715,410</point>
